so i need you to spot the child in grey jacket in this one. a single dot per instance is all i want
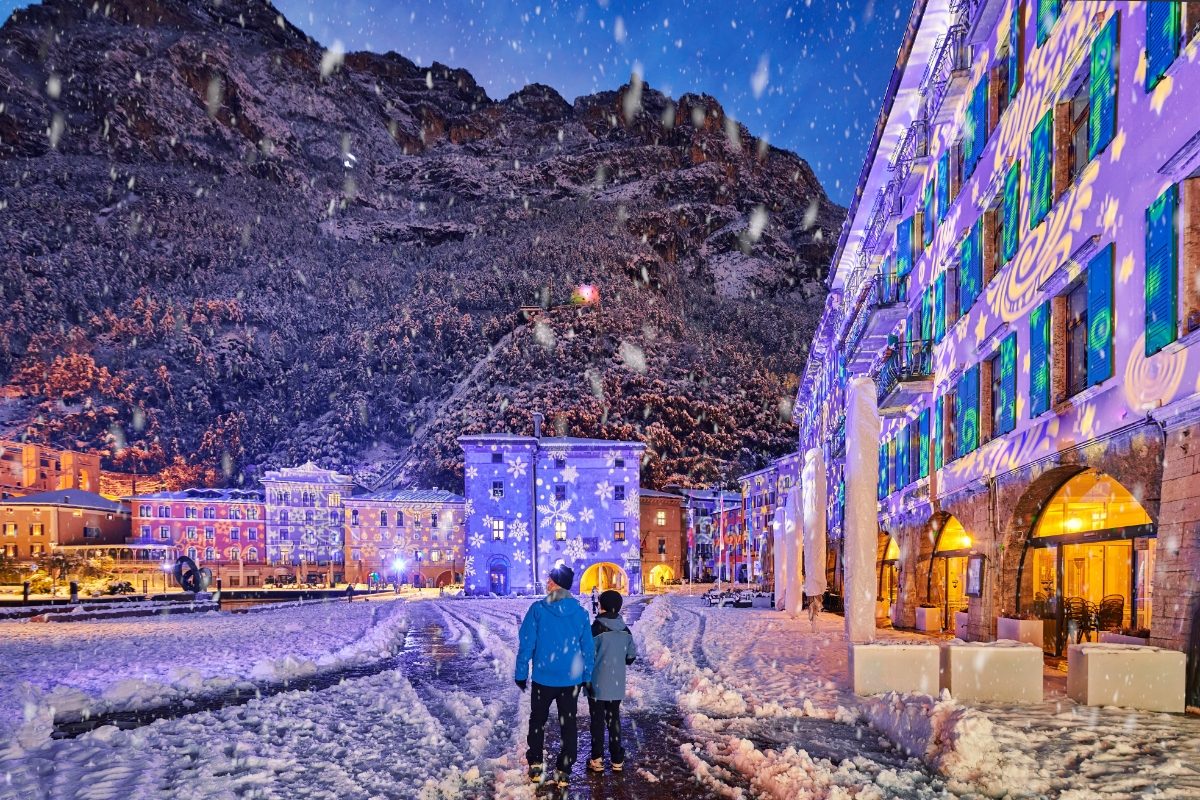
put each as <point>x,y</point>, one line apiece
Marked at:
<point>614,652</point>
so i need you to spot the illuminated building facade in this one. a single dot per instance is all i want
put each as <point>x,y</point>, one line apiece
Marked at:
<point>763,491</point>
<point>414,535</point>
<point>664,543</point>
<point>1020,274</point>
<point>304,521</point>
<point>26,468</point>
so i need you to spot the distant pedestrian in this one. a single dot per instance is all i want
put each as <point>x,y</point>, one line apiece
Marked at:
<point>349,592</point>
<point>595,602</point>
<point>556,637</point>
<point>615,651</point>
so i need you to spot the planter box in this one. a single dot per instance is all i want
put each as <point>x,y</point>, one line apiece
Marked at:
<point>879,668</point>
<point>1132,676</point>
<point>961,620</point>
<point>1028,631</point>
<point>992,672</point>
<point>929,619</point>
<point>1109,637</point>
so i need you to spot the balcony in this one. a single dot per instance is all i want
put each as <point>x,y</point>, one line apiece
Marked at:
<point>977,17</point>
<point>949,70</point>
<point>904,375</point>
<point>887,205</point>
<point>837,447</point>
<point>881,305</point>
<point>911,158</point>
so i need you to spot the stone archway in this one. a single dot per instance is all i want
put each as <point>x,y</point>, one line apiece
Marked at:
<point>443,579</point>
<point>603,576</point>
<point>660,575</point>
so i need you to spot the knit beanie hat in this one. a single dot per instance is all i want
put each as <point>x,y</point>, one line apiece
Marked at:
<point>563,575</point>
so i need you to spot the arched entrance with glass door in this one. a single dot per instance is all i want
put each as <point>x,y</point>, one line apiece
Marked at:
<point>498,576</point>
<point>947,583</point>
<point>660,576</point>
<point>1090,558</point>
<point>602,577</point>
<point>889,573</point>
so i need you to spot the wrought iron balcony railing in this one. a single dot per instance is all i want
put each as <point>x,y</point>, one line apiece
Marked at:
<point>907,361</point>
<point>951,63</point>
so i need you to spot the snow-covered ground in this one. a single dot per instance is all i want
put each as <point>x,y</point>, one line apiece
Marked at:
<point>750,679</point>
<point>760,701</point>
<point>67,669</point>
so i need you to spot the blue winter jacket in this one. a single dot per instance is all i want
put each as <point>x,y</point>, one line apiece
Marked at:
<point>556,635</point>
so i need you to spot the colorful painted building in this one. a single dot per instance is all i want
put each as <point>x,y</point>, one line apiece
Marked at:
<point>664,539</point>
<point>414,536</point>
<point>704,513</point>
<point>222,529</point>
<point>305,525</point>
<point>33,525</point>
<point>533,501</point>
<point>27,468</point>
<point>763,491</point>
<point>1018,273</point>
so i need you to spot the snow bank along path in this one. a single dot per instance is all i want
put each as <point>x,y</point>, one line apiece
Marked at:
<point>70,669</point>
<point>745,676</point>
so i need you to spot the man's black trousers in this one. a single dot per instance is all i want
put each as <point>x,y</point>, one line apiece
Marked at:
<point>567,700</point>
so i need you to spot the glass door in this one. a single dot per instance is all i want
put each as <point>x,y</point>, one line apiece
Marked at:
<point>1143,581</point>
<point>1046,595</point>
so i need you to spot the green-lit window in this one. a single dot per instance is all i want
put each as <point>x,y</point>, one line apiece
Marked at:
<point>1047,14</point>
<point>966,411</point>
<point>1100,317</point>
<point>1041,169</point>
<point>1016,48</point>
<point>970,269</point>
<point>904,247</point>
<point>1168,26</point>
<point>1102,117</point>
<point>1161,271</point>
<point>936,433</point>
<point>1011,216</point>
<point>1004,387</point>
<point>975,131</point>
<point>923,432</point>
<point>943,187</point>
<point>1039,359</point>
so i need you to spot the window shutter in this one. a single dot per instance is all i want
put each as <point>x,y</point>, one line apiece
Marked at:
<point>939,307</point>
<point>927,213</point>
<point>883,470</point>
<point>902,458</point>
<point>1102,92</point>
<point>904,247</point>
<point>975,131</point>
<point>936,432</point>
<point>923,435</point>
<point>1161,279</point>
<point>1039,359</point>
<point>1047,15</point>
<point>1012,213</point>
<point>927,314</point>
<point>970,274</point>
<point>1007,400</point>
<point>1016,41</point>
<point>892,483</point>
<point>943,187</point>
<point>967,411</point>
<point>1100,317</point>
<point>1162,40</point>
<point>1040,171</point>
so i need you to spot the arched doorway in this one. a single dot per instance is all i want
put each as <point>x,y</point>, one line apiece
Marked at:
<point>889,571</point>
<point>498,577</point>
<point>948,569</point>
<point>604,576</point>
<point>661,575</point>
<point>1090,556</point>
<point>444,579</point>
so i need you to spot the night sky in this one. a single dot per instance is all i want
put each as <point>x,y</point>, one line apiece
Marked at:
<point>806,74</point>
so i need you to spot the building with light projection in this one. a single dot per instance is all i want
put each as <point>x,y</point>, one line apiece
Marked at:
<point>1020,274</point>
<point>534,501</point>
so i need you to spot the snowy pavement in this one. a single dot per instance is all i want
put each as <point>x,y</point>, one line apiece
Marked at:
<point>724,703</point>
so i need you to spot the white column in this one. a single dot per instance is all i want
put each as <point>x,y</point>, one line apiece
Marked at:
<point>815,546</point>
<point>795,551</point>
<point>780,555</point>
<point>862,508</point>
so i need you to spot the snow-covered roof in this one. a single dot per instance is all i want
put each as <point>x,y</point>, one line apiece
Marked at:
<point>75,498</point>
<point>407,496</point>
<point>204,493</point>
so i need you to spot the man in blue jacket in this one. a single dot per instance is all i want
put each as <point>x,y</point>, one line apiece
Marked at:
<point>557,637</point>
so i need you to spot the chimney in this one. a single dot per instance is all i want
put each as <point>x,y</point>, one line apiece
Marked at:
<point>537,424</point>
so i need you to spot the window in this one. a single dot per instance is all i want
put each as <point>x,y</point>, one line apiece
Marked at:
<point>560,463</point>
<point>1077,324</point>
<point>1086,327</point>
<point>252,513</point>
<point>1041,174</point>
<point>251,554</point>
<point>1074,155</point>
<point>618,493</point>
<point>334,500</point>
<point>10,529</point>
<point>283,515</point>
<point>190,512</point>
<point>353,516</point>
<point>1168,27</point>
<point>209,534</point>
<point>1047,15</point>
<point>235,534</point>
<point>966,411</point>
<point>209,554</point>
<point>144,510</point>
<point>497,490</point>
<point>1172,259</point>
<point>37,529</point>
<point>619,530</point>
<point>993,241</point>
<point>308,517</point>
<point>435,555</point>
<point>619,463</point>
<point>497,530</point>
<point>497,458</point>
<point>383,518</point>
<point>914,451</point>
<point>660,518</point>
<point>164,511</point>
<point>560,492</point>
<point>235,512</point>
<point>191,553</point>
<point>433,520</point>
<point>210,512</point>
<point>560,530</point>
<point>164,533</point>
<point>91,532</point>
<point>399,519</point>
<point>662,547</point>
<point>970,268</point>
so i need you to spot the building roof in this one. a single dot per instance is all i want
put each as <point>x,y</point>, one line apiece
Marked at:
<point>407,496</point>
<point>307,472</point>
<point>205,493</point>
<point>660,495</point>
<point>75,498</point>
<point>551,442</point>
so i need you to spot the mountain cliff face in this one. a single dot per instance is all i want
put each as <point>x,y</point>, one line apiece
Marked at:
<point>226,248</point>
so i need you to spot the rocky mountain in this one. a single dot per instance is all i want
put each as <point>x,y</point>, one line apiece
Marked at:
<point>226,248</point>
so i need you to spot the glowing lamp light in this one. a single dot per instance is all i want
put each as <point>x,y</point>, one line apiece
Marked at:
<point>585,294</point>
<point>1074,524</point>
<point>398,564</point>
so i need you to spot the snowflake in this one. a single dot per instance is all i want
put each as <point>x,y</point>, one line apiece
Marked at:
<point>518,530</point>
<point>517,468</point>
<point>472,473</point>
<point>610,458</point>
<point>469,566</point>
<point>605,545</point>
<point>631,555</point>
<point>544,546</point>
<point>631,503</point>
<point>476,540</point>
<point>520,557</point>
<point>586,515</point>
<point>468,507</point>
<point>575,550</point>
<point>570,473</point>
<point>604,491</point>
<point>486,522</point>
<point>556,511</point>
